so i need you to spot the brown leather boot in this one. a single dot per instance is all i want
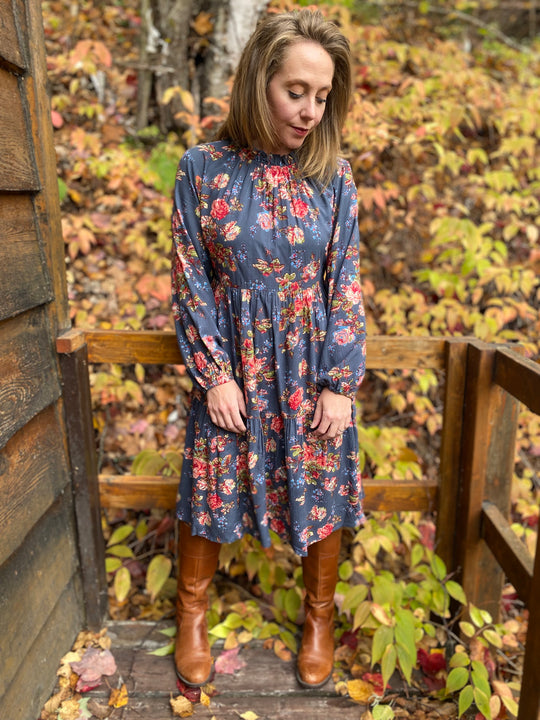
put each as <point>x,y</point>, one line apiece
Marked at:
<point>316,656</point>
<point>197,563</point>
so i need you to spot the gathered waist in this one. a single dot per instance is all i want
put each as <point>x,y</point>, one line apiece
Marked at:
<point>293,291</point>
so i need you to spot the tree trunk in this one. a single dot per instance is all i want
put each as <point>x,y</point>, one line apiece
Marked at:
<point>191,44</point>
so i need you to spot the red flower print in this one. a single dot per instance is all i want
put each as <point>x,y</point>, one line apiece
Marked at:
<point>200,467</point>
<point>296,399</point>
<point>220,181</point>
<point>265,220</point>
<point>220,208</point>
<point>354,292</point>
<point>295,235</point>
<point>214,501</point>
<point>200,361</point>
<point>299,208</point>
<point>277,424</point>
<point>325,531</point>
<point>343,336</point>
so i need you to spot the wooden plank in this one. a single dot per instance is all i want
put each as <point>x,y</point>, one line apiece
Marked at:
<point>450,454</point>
<point>10,52</point>
<point>35,680</point>
<point>33,473</point>
<point>82,452</point>
<point>17,171</point>
<point>520,376</point>
<point>31,582</point>
<point>160,347</point>
<point>46,202</point>
<point>486,468</point>
<point>529,702</point>
<point>28,371</point>
<point>140,492</point>
<point>510,552</point>
<point>23,274</point>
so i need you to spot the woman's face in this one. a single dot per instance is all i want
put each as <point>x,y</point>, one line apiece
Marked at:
<point>297,94</point>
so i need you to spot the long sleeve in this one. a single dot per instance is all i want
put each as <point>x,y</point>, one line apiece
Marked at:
<point>194,308</point>
<point>343,359</point>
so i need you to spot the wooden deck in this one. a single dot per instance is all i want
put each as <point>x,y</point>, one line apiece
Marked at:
<point>265,686</point>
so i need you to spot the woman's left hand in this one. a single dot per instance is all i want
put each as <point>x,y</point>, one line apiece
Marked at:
<point>332,415</point>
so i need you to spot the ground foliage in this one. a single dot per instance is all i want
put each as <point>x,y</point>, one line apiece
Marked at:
<point>443,140</point>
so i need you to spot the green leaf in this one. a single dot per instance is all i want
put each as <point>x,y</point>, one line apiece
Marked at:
<point>120,534</point>
<point>164,650</point>
<point>363,611</point>
<point>455,591</point>
<point>123,551</point>
<point>158,571</point>
<point>169,632</point>
<point>220,631</point>
<point>122,584</point>
<point>112,564</point>
<point>388,663</point>
<point>510,704</point>
<point>268,630</point>
<point>382,638</point>
<point>293,602</point>
<point>457,678</point>
<point>355,595</point>
<point>493,637</point>
<point>289,640</point>
<point>346,570</point>
<point>476,616</point>
<point>460,659</point>
<point>141,529</point>
<point>467,629</point>
<point>417,554</point>
<point>482,702</point>
<point>466,697</point>
<point>148,462</point>
<point>480,678</point>
<point>383,712</point>
<point>406,663</point>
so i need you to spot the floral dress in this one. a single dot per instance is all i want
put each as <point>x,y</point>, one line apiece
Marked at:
<point>266,292</point>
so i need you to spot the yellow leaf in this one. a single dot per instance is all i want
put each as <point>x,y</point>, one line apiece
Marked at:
<point>181,706</point>
<point>69,710</point>
<point>204,699</point>
<point>360,691</point>
<point>249,715</point>
<point>119,697</point>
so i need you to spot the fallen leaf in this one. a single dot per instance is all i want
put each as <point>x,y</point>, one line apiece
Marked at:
<point>205,699</point>
<point>249,715</point>
<point>181,706</point>
<point>193,694</point>
<point>99,711</point>
<point>229,662</point>
<point>119,697</point>
<point>93,665</point>
<point>69,710</point>
<point>282,651</point>
<point>360,691</point>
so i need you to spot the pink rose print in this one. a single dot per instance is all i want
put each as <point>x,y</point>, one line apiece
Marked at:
<point>214,501</point>
<point>299,208</point>
<point>265,220</point>
<point>325,531</point>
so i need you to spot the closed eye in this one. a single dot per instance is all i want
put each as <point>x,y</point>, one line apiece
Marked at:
<point>297,96</point>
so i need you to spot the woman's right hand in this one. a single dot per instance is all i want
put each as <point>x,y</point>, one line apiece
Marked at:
<point>227,407</point>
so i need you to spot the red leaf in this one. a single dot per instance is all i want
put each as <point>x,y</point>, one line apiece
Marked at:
<point>431,663</point>
<point>376,680</point>
<point>190,693</point>
<point>57,119</point>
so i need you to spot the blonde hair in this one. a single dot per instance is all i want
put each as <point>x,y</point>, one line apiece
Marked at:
<point>250,120</point>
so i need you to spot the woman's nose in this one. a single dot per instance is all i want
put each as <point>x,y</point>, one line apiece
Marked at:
<point>308,108</point>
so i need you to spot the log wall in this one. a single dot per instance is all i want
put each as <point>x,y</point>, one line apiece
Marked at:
<point>41,596</point>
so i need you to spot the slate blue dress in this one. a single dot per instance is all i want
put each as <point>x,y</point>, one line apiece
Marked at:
<point>266,291</point>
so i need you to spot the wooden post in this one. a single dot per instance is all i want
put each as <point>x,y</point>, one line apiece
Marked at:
<point>451,439</point>
<point>529,702</point>
<point>78,413</point>
<point>489,436</point>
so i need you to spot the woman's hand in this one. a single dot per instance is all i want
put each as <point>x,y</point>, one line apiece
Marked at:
<point>227,407</point>
<point>332,415</point>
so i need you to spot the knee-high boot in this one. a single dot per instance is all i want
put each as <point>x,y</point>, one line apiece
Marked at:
<point>316,656</point>
<point>197,563</point>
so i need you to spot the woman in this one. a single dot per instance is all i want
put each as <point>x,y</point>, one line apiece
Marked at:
<point>269,319</point>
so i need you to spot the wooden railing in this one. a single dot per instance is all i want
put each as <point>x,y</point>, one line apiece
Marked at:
<point>484,385</point>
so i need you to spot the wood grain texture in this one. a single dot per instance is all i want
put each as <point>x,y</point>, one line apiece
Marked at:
<point>33,474</point>
<point>31,583</point>
<point>520,376</point>
<point>17,169</point>
<point>450,454</point>
<point>24,278</point>
<point>82,453</point>
<point>11,53</point>
<point>160,347</point>
<point>529,703</point>
<point>508,549</point>
<point>28,370</point>
<point>46,202</point>
<point>34,682</point>
<point>139,492</point>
